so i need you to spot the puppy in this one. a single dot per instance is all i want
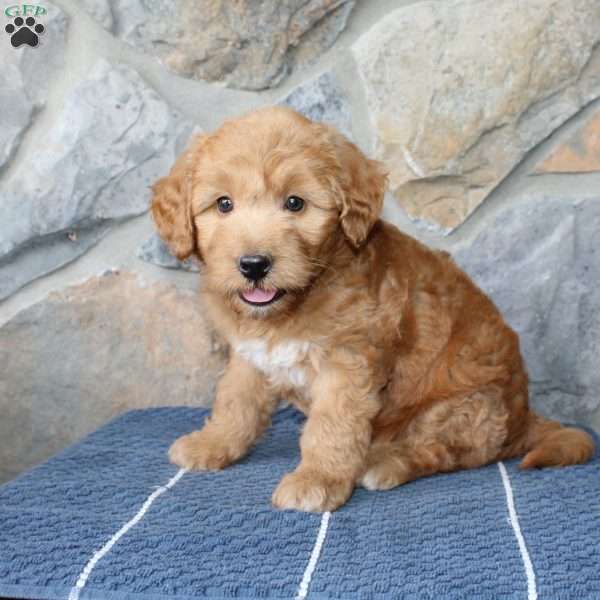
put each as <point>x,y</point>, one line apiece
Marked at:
<point>402,365</point>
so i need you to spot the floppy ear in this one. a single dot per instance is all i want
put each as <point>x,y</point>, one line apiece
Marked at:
<point>363,188</point>
<point>171,206</point>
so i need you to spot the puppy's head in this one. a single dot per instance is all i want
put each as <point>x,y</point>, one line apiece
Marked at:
<point>264,201</point>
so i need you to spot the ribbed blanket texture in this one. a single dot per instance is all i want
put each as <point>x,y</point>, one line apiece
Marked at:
<point>111,519</point>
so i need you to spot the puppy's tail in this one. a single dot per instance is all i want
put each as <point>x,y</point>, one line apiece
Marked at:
<point>552,445</point>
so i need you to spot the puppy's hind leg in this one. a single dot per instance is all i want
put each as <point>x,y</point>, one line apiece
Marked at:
<point>458,433</point>
<point>391,464</point>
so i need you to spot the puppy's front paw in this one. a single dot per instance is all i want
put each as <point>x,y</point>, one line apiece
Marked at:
<point>310,491</point>
<point>200,451</point>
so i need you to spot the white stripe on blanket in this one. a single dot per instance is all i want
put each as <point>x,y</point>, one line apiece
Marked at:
<point>514,521</point>
<point>314,557</point>
<point>89,567</point>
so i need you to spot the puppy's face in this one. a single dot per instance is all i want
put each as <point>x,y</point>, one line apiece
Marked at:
<point>263,201</point>
<point>264,205</point>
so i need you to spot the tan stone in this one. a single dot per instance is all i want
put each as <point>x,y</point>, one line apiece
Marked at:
<point>458,91</point>
<point>579,154</point>
<point>243,44</point>
<point>81,356</point>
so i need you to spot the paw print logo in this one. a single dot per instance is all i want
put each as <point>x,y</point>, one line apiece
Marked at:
<point>24,31</point>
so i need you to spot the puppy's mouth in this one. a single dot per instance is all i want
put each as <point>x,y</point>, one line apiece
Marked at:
<point>259,297</point>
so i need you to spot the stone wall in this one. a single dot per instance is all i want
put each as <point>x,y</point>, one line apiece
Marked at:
<point>486,112</point>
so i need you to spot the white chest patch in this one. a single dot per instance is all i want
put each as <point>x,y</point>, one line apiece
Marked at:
<point>281,364</point>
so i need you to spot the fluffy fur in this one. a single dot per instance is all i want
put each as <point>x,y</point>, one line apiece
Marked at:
<point>404,367</point>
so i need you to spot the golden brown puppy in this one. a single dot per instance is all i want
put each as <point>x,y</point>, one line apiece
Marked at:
<point>403,366</point>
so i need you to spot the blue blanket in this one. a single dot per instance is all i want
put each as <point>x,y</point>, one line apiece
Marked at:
<point>111,519</point>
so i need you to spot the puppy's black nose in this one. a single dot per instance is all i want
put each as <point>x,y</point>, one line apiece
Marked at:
<point>255,266</point>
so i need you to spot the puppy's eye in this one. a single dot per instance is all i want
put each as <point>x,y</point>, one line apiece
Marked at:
<point>294,203</point>
<point>224,204</point>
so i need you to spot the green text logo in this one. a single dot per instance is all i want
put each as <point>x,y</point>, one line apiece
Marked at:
<point>24,10</point>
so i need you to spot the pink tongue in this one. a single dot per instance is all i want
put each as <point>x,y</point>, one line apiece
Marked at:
<point>258,295</point>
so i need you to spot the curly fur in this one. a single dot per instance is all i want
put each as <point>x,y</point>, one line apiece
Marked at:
<point>404,367</point>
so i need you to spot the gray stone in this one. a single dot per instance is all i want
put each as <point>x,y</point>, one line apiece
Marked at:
<point>155,251</point>
<point>588,272</point>
<point>82,356</point>
<point>25,79</point>
<point>459,91</point>
<point>45,255</point>
<point>322,99</point>
<point>101,11</point>
<point>17,114</point>
<point>321,35</point>
<point>42,65</point>
<point>244,44</point>
<point>539,260</point>
<point>113,139</point>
